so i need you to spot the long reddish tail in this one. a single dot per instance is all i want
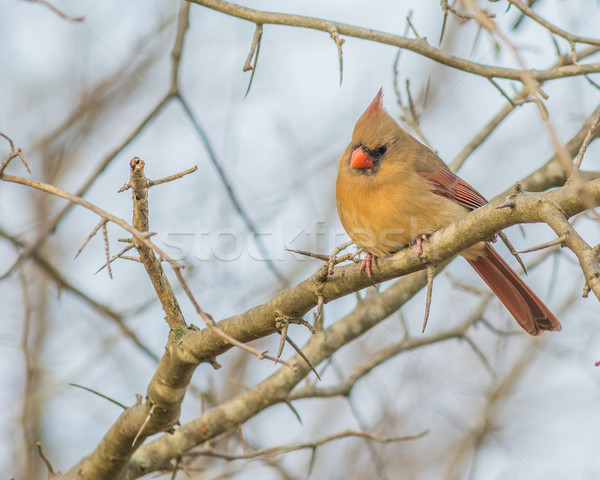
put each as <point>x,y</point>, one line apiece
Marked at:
<point>517,297</point>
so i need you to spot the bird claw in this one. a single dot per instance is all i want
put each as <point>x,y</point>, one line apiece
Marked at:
<point>367,264</point>
<point>419,243</point>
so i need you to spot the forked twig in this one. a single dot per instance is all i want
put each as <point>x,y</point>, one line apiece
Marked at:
<point>91,235</point>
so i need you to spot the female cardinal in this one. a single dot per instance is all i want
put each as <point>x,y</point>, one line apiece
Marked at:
<point>392,190</point>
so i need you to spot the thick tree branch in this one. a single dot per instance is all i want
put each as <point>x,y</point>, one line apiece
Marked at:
<point>296,301</point>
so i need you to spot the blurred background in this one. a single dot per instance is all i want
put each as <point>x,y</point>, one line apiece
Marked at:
<point>74,92</point>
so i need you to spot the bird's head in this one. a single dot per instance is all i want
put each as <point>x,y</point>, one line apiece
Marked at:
<point>375,133</point>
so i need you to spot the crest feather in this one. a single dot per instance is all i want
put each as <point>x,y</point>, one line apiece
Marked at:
<point>376,106</point>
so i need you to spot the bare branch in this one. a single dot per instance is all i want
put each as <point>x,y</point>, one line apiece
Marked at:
<point>335,36</point>
<point>593,133</point>
<point>230,192</point>
<point>57,11</point>
<point>572,39</point>
<point>95,392</point>
<point>64,284</point>
<point>170,178</point>
<point>91,235</point>
<point>143,426</point>
<point>557,241</point>
<point>303,356</point>
<point>183,22</point>
<point>430,271</point>
<point>13,154</point>
<point>419,46</point>
<point>303,446</point>
<point>106,249</point>
<point>45,460</point>
<point>51,226</point>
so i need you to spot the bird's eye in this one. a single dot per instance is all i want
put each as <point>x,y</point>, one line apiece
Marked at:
<point>381,150</point>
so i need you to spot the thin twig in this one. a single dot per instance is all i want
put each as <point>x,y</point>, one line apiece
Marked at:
<point>210,322</point>
<point>95,392</point>
<point>293,409</point>
<point>557,241</point>
<point>303,446</point>
<point>63,284</point>
<point>217,164</point>
<point>183,22</point>
<point>283,332</point>
<point>430,271</point>
<point>335,36</point>
<point>51,226</point>
<point>502,92</point>
<point>45,459</point>
<point>170,178</point>
<point>13,154</point>
<point>319,313</point>
<point>572,39</point>
<point>254,51</point>
<point>146,420</point>
<point>118,255</point>
<point>512,250</point>
<point>304,357</point>
<point>57,11</point>
<point>416,45</point>
<point>91,235</point>
<point>106,249</point>
<point>480,355</point>
<point>333,260</point>
<point>592,133</point>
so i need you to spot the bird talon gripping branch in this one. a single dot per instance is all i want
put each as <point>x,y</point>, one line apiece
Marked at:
<point>419,242</point>
<point>389,185</point>
<point>367,265</point>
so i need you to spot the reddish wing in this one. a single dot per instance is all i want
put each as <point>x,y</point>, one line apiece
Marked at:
<point>446,184</point>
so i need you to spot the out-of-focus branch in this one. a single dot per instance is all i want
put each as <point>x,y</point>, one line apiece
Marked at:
<point>345,387</point>
<point>209,452</point>
<point>183,22</point>
<point>419,45</point>
<point>69,18</point>
<point>499,392</point>
<point>518,99</point>
<point>572,39</point>
<point>63,284</point>
<point>50,227</point>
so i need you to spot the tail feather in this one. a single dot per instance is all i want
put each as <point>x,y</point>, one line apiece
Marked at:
<point>531,313</point>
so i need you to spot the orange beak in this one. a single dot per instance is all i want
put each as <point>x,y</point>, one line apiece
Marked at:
<point>360,159</point>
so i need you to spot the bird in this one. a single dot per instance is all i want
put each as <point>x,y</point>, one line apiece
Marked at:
<point>393,191</point>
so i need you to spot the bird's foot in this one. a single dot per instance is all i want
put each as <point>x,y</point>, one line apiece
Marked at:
<point>419,243</point>
<point>367,264</point>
